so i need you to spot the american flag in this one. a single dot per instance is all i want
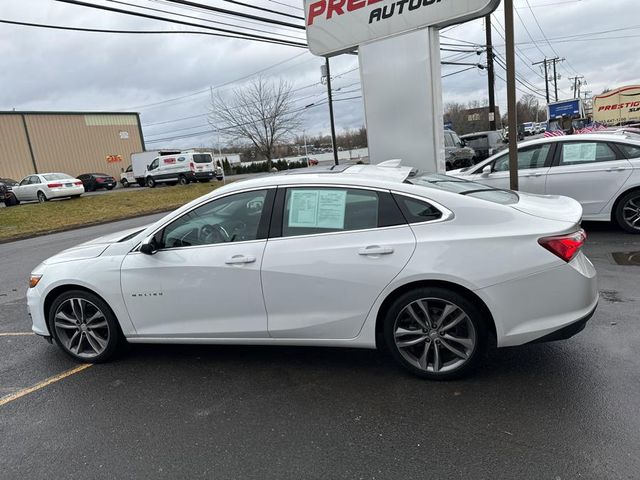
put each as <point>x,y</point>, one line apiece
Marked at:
<point>554,133</point>
<point>593,127</point>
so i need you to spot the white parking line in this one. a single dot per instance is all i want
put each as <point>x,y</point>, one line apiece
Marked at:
<point>16,334</point>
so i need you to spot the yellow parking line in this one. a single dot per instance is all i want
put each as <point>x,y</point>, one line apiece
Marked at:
<point>38,386</point>
<point>16,334</point>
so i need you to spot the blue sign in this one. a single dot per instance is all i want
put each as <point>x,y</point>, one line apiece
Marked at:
<point>570,108</point>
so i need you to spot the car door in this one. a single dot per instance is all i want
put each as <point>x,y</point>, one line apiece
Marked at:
<point>533,165</point>
<point>204,279</point>
<point>28,188</point>
<point>331,252</point>
<point>589,171</point>
<point>21,191</point>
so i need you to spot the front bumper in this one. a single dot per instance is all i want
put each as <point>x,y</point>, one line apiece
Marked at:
<point>36,312</point>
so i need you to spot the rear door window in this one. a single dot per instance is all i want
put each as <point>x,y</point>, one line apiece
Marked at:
<point>578,153</point>
<point>311,210</point>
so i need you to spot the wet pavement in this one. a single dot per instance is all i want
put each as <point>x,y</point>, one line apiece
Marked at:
<point>563,410</point>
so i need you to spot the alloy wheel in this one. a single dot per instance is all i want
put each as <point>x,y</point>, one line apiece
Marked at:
<point>435,335</point>
<point>81,327</point>
<point>631,212</point>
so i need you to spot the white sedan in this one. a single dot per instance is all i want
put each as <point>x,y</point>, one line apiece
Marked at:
<point>431,267</point>
<point>601,171</point>
<point>46,186</point>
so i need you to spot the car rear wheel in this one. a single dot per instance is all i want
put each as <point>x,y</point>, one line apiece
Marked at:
<point>42,197</point>
<point>84,326</point>
<point>182,180</point>
<point>110,188</point>
<point>151,183</point>
<point>435,333</point>
<point>627,214</point>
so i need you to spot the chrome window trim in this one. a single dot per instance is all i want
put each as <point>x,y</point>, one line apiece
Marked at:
<point>446,213</point>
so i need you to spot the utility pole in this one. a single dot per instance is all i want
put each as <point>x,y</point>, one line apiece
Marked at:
<point>555,78</point>
<point>546,75</point>
<point>510,55</point>
<point>490,74</point>
<point>326,73</point>
<point>577,84</point>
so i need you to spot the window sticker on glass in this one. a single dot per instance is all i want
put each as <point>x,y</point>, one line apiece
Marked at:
<point>317,209</point>
<point>578,152</point>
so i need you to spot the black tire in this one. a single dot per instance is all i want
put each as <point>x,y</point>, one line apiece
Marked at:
<point>11,201</point>
<point>151,183</point>
<point>182,180</point>
<point>125,183</point>
<point>42,197</point>
<point>110,188</point>
<point>628,211</point>
<point>112,338</point>
<point>474,325</point>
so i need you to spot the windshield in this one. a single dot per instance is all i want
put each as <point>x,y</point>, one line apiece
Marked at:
<point>57,176</point>
<point>477,141</point>
<point>202,158</point>
<point>464,187</point>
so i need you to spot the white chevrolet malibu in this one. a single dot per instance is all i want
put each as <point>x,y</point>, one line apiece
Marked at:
<point>433,268</point>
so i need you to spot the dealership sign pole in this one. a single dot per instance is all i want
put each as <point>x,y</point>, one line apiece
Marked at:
<point>399,53</point>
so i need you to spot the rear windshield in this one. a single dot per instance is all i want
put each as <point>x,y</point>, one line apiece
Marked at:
<point>464,187</point>
<point>477,141</point>
<point>202,158</point>
<point>57,176</point>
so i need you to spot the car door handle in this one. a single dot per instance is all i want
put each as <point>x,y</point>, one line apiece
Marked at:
<point>375,250</point>
<point>240,259</point>
<point>533,175</point>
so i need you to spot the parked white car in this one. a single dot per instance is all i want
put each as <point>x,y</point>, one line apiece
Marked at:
<point>601,171</point>
<point>46,186</point>
<point>432,267</point>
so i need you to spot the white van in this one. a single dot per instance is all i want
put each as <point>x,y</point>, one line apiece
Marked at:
<point>180,168</point>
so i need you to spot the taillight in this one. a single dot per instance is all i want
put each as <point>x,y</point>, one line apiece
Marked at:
<point>565,246</point>
<point>77,184</point>
<point>54,185</point>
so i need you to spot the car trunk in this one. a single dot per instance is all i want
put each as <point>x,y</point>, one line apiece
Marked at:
<point>551,207</point>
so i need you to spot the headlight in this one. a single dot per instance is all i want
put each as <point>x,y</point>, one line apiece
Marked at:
<point>34,280</point>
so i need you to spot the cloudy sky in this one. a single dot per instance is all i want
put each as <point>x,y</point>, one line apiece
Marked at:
<point>168,77</point>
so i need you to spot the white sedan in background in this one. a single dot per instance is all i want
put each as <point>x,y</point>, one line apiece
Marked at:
<point>601,171</point>
<point>433,268</point>
<point>46,186</point>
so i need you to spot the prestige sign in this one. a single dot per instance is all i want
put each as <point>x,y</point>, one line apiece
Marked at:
<point>336,26</point>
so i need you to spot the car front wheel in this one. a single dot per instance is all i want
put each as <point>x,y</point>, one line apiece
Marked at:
<point>84,326</point>
<point>435,333</point>
<point>627,214</point>
<point>125,183</point>
<point>151,183</point>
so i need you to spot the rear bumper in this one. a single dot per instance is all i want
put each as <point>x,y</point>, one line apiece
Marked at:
<point>537,307</point>
<point>566,332</point>
<point>64,192</point>
<point>203,175</point>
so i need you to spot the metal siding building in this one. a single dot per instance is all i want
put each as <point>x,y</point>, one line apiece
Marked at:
<point>67,142</point>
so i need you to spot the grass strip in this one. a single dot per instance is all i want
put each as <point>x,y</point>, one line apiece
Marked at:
<point>33,219</point>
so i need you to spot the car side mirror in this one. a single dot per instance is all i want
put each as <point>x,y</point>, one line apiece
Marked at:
<point>149,246</point>
<point>486,170</point>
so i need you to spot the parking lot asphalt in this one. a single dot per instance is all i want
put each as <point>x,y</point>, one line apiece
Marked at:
<point>562,410</point>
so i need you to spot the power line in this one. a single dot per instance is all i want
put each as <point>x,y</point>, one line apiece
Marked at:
<point>238,14</point>
<point>136,32</point>
<point>255,7</point>
<point>181,22</point>
<point>169,12</point>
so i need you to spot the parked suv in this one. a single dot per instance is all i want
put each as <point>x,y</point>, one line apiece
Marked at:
<point>458,155</point>
<point>485,144</point>
<point>6,192</point>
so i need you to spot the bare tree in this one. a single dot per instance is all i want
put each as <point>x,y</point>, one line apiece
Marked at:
<point>261,112</point>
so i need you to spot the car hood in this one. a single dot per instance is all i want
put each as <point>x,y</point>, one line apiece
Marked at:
<point>550,207</point>
<point>93,248</point>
